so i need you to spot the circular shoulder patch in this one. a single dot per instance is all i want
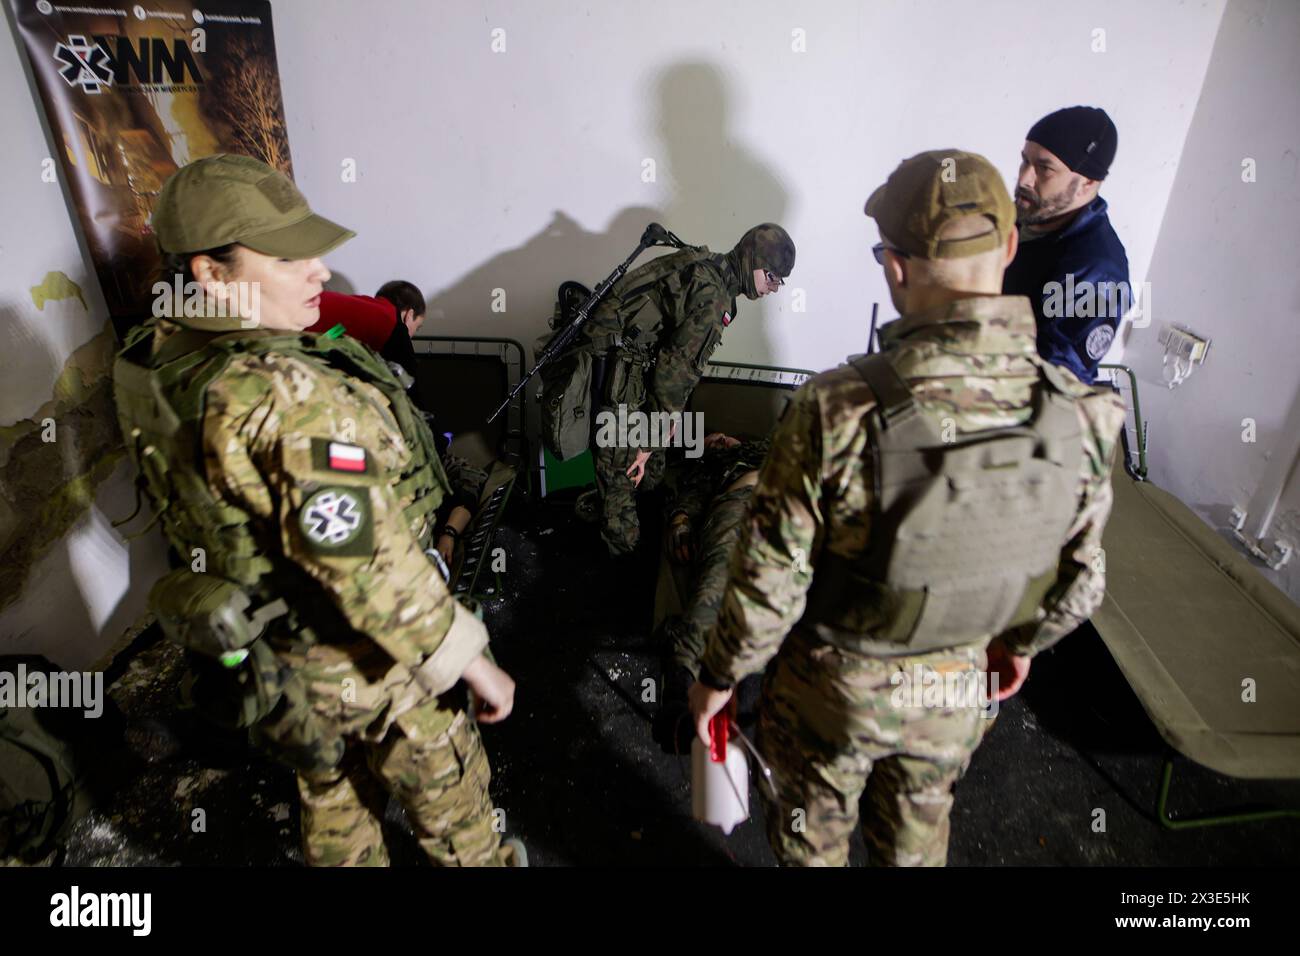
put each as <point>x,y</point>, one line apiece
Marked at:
<point>332,518</point>
<point>1099,340</point>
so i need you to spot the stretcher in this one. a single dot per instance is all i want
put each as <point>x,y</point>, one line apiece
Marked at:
<point>1210,647</point>
<point>464,378</point>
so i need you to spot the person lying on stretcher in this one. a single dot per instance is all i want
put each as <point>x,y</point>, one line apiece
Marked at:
<point>703,514</point>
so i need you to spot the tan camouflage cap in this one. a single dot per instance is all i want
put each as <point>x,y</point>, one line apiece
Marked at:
<point>225,198</point>
<point>933,188</point>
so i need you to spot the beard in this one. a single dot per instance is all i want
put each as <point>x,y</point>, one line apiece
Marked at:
<point>1040,211</point>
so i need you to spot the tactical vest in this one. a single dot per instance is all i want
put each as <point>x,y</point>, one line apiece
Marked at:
<point>160,404</point>
<point>966,535</point>
<point>631,301</point>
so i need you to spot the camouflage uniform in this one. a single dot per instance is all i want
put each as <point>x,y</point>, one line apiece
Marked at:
<point>247,442</point>
<point>656,343</point>
<point>467,481</point>
<point>828,723</point>
<point>706,491</point>
<point>370,703</point>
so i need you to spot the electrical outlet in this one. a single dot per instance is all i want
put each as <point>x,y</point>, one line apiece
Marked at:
<point>1184,350</point>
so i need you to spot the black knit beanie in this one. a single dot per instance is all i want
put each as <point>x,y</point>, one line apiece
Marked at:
<point>1082,137</point>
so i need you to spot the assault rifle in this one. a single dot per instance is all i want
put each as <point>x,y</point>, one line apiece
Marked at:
<point>654,235</point>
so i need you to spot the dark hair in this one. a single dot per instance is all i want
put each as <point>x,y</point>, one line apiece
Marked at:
<point>178,263</point>
<point>403,295</point>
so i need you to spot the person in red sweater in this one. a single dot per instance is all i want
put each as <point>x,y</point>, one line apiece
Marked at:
<point>372,320</point>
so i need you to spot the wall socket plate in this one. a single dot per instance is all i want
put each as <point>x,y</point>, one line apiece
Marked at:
<point>1184,351</point>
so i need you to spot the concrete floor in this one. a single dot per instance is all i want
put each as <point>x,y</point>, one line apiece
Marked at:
<point>583,784</point>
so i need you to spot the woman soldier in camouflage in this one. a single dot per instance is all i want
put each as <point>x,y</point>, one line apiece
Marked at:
<point>297,486</point>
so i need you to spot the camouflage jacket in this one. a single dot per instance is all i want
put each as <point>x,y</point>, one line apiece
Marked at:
<point>700,480</point>
<point>974,360</point>
<point>678,324</point>
<point>308,454</point>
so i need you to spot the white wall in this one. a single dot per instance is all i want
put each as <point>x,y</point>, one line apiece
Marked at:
<point>516,170</point>
<point>1225,266</point>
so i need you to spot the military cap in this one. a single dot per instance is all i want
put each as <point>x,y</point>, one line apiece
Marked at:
<point>933,188</point>
<point>225,198</point>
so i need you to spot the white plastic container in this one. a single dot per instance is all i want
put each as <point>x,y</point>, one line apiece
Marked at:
<point>719,789</point>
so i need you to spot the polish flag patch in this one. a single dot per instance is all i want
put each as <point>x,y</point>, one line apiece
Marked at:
<point>346,457</point>
<point>726,319</point>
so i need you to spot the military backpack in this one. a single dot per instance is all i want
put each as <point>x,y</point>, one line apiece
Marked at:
<point>567,396</point>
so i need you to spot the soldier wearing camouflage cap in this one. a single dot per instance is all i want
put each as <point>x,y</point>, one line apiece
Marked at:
<point>297,485</point>
<point>656,330</point>
<point>928,516</point>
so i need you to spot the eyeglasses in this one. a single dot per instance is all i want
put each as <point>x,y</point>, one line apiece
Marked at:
<point>878,250</point>
<point>773,279</point>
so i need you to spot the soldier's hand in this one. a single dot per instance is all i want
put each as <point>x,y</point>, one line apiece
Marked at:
<point>705,701</point>
<point>679,539</point>
<point>636,470</point>
<point>493,687</point>
<point>447,548</point>
<point>1011,669</point>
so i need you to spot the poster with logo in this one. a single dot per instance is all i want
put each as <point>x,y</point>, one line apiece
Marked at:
<point>132,92</point>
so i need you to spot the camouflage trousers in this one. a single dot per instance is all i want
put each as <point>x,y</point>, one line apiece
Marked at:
<point>351,754</point>
<point>835,730</point>
<point>620,526</point>
<point>713,546</point>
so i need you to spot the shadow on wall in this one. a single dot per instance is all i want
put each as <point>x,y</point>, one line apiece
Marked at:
<point>719,187</point>
<point>522,282</point>
<point>717,190</point>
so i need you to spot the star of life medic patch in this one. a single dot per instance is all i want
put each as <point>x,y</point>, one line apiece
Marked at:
<point>337,520</point>
<point>1098,342</point>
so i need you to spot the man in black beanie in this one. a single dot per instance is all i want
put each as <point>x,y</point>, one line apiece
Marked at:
<point>1070,263</point>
